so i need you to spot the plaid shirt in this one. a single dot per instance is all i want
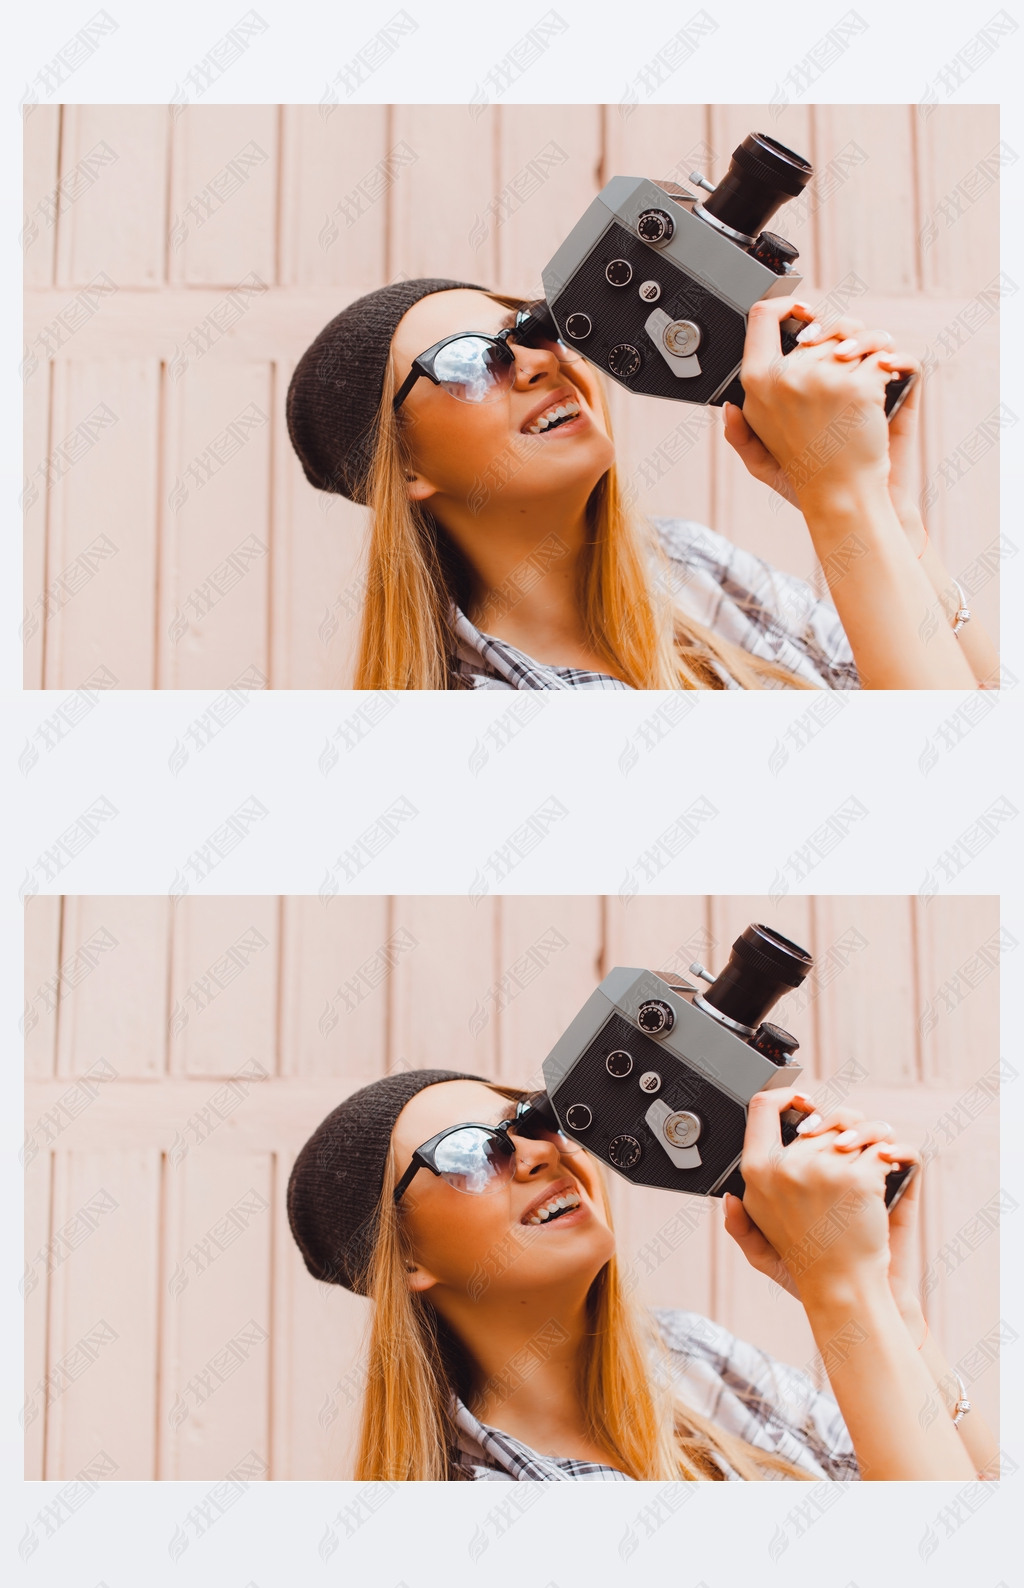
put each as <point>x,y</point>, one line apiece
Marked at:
<point>738,596</point>
<point>738,1386</point>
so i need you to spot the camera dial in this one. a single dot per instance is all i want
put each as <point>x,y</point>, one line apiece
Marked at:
<point>655,1017</point>
<point>655,226</point>
<point>619,1063</point>
<point>578,1116</point>
<point>624,360</point>
<point>624,1151</point>
<point>619,272</point>
<point>578,326</point>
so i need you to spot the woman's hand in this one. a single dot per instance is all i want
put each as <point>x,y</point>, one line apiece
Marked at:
<point>813,1214</point>
<point>851,1132</point>
<point>857,342</point>
<point>821,416</point>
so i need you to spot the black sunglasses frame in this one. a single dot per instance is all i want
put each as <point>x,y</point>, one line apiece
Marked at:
<point>423,1157</point>
<point>527,329</point>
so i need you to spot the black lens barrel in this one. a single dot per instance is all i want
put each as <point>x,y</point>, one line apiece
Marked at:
<point>762,175</point>
<point>762,966</point>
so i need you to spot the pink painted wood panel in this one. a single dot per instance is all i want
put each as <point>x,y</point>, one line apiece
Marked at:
<point>233,233</point>
<point>41,153</point>
<point>224,183</point>
<point>101,568</point>
<point>104,1257</point>
<point>43,984</point>
<point>338,966</point>
<point>223,996</point>
<point>114,985</point>
<point>116,157</point>
<point>195,1263</point>
<point>325,155</point>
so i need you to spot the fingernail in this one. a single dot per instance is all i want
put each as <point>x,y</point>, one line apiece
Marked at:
<point>844,1138</point>
<point>846,346</point>
<point>809,331</point>
<point>809,1123</point>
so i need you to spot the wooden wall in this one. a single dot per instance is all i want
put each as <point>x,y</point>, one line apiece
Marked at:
<point>178,1055</point>
<point>179,261</point>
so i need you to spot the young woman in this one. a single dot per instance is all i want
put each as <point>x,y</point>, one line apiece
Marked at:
<point>503,1344</point>
<point>503,553</point>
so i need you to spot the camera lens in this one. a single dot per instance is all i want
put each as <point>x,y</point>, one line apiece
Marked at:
<point>762,175</point>
<point>762,966</point>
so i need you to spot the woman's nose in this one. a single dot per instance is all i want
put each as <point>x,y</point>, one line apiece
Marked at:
<point>533,363</point>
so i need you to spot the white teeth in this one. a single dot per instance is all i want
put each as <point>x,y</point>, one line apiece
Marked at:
<point>540,1215</point>
<point>557,411</point>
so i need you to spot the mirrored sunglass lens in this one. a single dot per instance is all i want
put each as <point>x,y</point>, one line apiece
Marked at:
<point>472,1160</point>
<point>474,370</point>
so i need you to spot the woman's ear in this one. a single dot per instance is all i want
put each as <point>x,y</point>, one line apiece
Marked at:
<point>417,488</point>
<point>419,1279</point>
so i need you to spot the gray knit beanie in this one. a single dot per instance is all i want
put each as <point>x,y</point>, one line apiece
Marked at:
<point>335,1184</point>
<point>334,396</point>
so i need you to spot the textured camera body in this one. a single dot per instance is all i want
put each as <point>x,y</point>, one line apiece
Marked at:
<point>694,277</point>
<point>688,1125</point>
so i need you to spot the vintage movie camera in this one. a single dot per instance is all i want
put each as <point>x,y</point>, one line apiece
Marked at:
<point>653,284</point>
<point>654,1074</point>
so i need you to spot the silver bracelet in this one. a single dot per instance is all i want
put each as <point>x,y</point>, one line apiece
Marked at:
<point>961,617</point>
<point>963,1405</point>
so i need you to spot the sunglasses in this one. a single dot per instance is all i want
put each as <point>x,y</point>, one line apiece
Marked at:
<point>478,1159</point>
<point>474,367</point>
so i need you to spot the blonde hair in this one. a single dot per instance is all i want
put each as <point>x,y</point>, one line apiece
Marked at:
<point>414,573</point>
<point>416,1364</point>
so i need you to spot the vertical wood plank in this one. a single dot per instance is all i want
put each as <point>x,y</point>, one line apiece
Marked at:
<point>548,170</point>
<point>862,197</point>
<point>101,560</point>
<point>215,1292</point>
<point>549,965</point>
<point>318,1379</point>
<point>113,1003</point>
<point>36,1289</point>
<point>317,592</point>
<point>42,984</point>
<point>958,182</point>
<point>104,1311</point>
<point>432,1015</point>
<point>338,964</point>
<point>959,951</point>
<point>115,158</point>
<point>38,375</point>
<point>434,201</point>
<point>216,552</point>
<point>41,124</point>
<point>224,985</point>
<point>961,1217</point>
<point>863,990</point>
<point>332,233</point>
<point>963,432</point>
<point>224,195</point>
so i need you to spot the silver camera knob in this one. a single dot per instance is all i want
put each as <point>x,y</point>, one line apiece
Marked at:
<point>682,1128</point>
<point>682,338</point>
